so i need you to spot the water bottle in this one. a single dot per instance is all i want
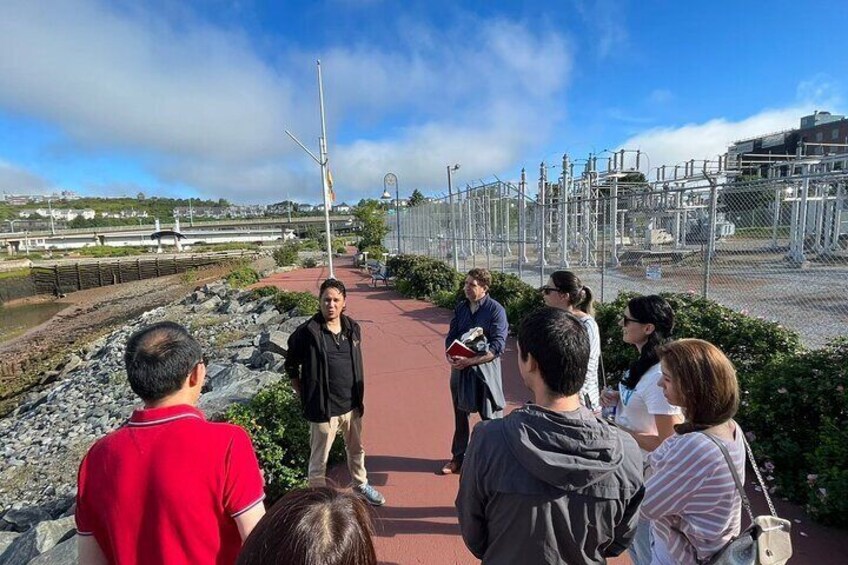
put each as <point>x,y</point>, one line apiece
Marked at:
<point>608,412</point>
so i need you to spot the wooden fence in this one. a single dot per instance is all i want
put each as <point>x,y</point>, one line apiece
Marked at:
<point>65,278</point>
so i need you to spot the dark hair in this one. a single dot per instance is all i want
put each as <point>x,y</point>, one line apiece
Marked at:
<point>705,380</point>
<point>312,526</point>
<point>560,345</point>
<point>333,283</point>
<point>159,358</point>
<point>580,295</point>
<point>481,275</point>
<point>651,309</point>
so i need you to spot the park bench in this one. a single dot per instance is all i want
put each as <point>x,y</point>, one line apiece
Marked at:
<point>382,273</point>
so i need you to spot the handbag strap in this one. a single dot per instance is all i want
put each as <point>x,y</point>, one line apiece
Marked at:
<point>739,486</point>
<point>733,471</point>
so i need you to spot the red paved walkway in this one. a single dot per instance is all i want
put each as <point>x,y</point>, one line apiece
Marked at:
<point>409,423</point>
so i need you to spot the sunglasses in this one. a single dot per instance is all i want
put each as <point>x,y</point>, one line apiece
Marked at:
<point>626,319</point>
<point>548,289</point>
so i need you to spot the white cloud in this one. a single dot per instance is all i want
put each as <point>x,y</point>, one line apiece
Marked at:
<point>17,180</point>
<point>198,106</point>
<point>674,145</point>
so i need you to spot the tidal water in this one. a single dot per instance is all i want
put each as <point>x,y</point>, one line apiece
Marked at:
<point>15,320</point>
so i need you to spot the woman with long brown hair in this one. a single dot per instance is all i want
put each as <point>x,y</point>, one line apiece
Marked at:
<point>691,497</point>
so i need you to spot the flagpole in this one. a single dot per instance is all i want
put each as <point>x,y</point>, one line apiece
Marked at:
<point>323,150</point>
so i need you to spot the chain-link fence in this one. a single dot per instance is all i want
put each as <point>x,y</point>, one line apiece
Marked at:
<point>773,247</point>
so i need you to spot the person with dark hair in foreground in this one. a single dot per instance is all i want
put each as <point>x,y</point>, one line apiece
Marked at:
<point>324,363</point>
<point>550,482</point>
<point>312,526</point>
<point>168,487</point>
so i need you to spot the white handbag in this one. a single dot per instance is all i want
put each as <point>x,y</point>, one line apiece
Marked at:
<point>767,540</point>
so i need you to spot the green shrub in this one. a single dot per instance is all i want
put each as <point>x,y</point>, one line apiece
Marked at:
<point>280,437</point>
<point>401,265</point>
<point>264,291</point>
<point>305,303</point>
<point>375,251</point>
<point>309,263</point>
<point>516,296</point>
<point>444,299</point>
<point>286,254</point>
<point>797,408</point>
<point>749,342</point>
<point>428,277</point>
<point>242,276</point>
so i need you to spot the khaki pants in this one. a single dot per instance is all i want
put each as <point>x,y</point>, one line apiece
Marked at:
<point>321,438</point>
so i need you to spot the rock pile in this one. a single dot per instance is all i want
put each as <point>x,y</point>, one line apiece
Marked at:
<point>86,397</point>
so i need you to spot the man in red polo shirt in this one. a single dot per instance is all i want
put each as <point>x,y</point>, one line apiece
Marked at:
<point>168,487</point>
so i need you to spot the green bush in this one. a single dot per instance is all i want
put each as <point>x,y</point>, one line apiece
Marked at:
<point>444,299</point>
<point>375,251</point>
<point>401,265</point>
<point>242,276</point>
<point>749,342</point>
<point>309,263</point>
<point>264,291</point>
<point>280,435</point>
<point>797,409</point>
<point>304,303</point>
<point>428,277</point>
<point>286,254</point>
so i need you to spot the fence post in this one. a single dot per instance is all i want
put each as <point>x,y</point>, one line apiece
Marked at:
<point>710,247</point>
<point>79,277</point>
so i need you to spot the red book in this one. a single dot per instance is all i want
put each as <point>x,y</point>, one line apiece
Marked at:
<point>459,349</point>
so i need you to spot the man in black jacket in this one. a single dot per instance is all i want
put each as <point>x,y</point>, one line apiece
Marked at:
<point>324,363</point>
<point>550,483</point>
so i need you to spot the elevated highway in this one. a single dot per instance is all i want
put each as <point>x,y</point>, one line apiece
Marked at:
<point>225,231</point>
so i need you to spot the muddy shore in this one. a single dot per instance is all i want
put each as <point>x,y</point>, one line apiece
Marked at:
<point>25,360</point>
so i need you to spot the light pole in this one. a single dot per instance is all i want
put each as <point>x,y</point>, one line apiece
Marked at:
<point>389,181</point>
<point>52,226</point>
<point>453,168</point>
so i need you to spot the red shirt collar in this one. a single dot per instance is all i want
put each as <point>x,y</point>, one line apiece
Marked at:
<point>155,416</point>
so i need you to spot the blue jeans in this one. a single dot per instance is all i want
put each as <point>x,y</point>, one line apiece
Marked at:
<point>640,548</point>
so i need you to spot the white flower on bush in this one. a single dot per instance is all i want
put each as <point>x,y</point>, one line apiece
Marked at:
<point>811,479</point>
<point>782,390</point>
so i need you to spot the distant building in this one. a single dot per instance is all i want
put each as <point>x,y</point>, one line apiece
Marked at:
<point>66,214</point>
<point>342,208</point>
<point>820,133</point>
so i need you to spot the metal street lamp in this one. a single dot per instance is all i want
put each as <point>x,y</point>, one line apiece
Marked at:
<point>391,180</point>
<point>451,169</point>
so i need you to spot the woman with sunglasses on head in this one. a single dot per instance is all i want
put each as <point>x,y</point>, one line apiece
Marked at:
<point>565,292</point>
<point>641,408</point>
<point>691,497</point>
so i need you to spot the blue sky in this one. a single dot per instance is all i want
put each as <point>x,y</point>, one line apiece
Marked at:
<point>192,98</point>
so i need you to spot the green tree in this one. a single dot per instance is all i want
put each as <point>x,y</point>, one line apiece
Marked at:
<point>372,223</point>
<point>140,197</point>
<point>416,198</point>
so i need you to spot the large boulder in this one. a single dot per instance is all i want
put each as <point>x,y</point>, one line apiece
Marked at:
<point>275,342</point>
<point>232,374</point>
<point>247,355</point>
<point>6,539</point>
<point>43,537</point>
<point>267,317</point>
<point>22,519</point>
<point>293,323</point>
<point>209,305</point>
<point>241,391</point>
<point>66,553</point>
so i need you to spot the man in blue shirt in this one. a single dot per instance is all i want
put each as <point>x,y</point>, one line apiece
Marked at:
<point>477,310</point>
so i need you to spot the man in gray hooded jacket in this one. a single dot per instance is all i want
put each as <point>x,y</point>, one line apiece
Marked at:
<point>550,483</point>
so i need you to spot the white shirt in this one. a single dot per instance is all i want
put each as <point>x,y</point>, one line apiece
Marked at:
<point>637,407</point>
<point>590,386</point>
